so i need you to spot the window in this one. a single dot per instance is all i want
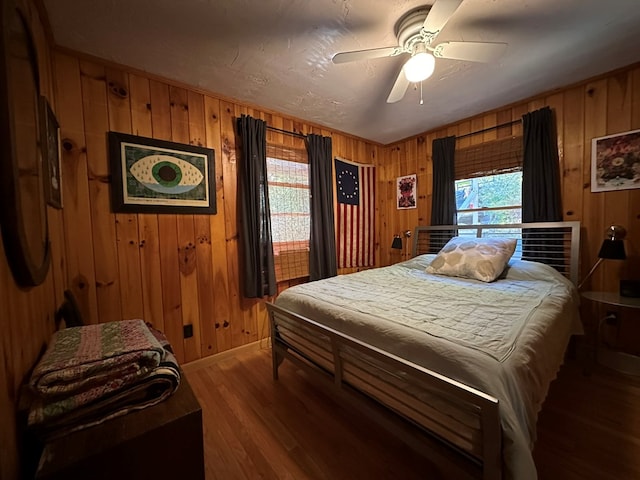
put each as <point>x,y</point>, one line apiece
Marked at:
<point>488,184</point>
<point>289,201</point>
<point>491,199</point>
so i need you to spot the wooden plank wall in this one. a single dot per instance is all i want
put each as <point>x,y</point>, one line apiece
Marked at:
<point>605,105</point>
<point>27,315</point>
<point>176,270</point>
<point>171,270</point>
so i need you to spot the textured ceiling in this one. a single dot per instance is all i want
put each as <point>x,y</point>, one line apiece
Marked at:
<point>277,53</point>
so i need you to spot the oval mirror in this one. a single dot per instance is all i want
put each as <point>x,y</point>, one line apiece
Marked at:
<point>23,213</point>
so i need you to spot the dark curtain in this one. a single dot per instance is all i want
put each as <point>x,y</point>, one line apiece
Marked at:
<point>322,242</point>
<point>443,200</point>
<point>257,266</point>
<point>541,187</point>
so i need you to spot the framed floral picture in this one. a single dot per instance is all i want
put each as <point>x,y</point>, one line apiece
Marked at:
<point>406,191</point>
<point>615,162</point>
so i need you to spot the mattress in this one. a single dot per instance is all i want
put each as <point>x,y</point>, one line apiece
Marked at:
<point>506,338</point>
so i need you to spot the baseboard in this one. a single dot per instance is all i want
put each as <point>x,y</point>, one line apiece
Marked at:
<point>620,361</point>
<point>219,357</point>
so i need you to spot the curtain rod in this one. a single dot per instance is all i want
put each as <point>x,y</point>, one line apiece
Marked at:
<point>507,124</point>
<point>295,134</point>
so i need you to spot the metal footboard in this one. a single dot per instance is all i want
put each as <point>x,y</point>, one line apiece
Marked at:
<point>461,417</point>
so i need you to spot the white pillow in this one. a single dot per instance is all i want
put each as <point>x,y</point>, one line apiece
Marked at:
<point>483,259</point>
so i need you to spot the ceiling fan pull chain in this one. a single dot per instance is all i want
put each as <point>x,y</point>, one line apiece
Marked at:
<point>421,101</point>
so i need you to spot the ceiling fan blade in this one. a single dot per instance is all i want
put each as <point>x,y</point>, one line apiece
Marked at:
<point>399,88</point>
<point>471,51</point>
<point>439,15</point>
<point>345,57</point>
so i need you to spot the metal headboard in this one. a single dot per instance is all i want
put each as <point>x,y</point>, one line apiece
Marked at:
<point>554,243</point>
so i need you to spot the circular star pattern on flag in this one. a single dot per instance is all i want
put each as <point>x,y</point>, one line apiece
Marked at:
<point>352,181</point>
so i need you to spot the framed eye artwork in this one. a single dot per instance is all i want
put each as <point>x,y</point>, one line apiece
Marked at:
<point>158,176</point>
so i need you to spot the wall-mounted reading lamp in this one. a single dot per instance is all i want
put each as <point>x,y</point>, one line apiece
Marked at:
<point>612,249</point>
<point>397,242</point>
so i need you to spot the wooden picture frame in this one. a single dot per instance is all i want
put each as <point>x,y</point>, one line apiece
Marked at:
<point>50,130</point>
<point>615,162</point>
<point>158,176</point>
<point>23,216</point>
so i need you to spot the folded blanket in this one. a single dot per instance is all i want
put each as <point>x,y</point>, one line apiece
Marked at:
<point>93,373</point>
<point>96,358</point>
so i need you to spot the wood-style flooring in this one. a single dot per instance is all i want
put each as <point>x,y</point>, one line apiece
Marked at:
<point>255,427</point>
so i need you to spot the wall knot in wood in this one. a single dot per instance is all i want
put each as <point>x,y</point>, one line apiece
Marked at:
<point>118,90</point>
<point>187,256</point>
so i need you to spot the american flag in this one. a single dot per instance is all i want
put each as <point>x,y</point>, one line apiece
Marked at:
<point>355,187</point>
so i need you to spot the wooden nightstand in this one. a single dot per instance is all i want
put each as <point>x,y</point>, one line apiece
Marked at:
<point>620,361</point>
<point>160,442</point>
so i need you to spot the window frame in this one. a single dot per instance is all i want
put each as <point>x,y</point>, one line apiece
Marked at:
<point>497,157</point>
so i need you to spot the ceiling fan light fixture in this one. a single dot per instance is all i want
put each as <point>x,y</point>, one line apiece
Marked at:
<point>419,67</point>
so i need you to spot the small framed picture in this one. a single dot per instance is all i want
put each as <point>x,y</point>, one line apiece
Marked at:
<point>50,138</point>
<point>406,193</point>
<point>615,162</point>
<point>157,176</point>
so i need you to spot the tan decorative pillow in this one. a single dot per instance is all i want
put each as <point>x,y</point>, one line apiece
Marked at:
<point>483,259</point>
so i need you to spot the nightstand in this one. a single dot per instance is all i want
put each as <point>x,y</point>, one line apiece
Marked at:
<point>620,361</point>
<point>163,441</point>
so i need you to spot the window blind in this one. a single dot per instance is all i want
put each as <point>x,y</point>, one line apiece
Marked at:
<point>289,153</point>
<point>288,182</point>
<point>490,158</point>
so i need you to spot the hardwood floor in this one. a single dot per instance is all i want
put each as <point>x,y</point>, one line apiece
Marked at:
<point>255,427</point>
<point>589,427</point>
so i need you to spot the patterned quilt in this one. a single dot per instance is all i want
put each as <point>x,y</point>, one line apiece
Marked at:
<point>92,373</point>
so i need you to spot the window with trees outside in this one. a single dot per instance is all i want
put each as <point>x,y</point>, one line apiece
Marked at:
<point>493,199</point>
<point>289,202</point>
<point>488,185</point>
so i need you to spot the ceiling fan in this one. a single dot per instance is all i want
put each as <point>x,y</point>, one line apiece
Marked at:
<point>416,32</point>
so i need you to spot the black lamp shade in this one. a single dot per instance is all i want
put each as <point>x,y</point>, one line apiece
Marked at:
<point>397,243</point>
<point>612,250</point>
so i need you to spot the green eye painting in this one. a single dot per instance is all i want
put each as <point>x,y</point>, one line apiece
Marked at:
<point>150,175</point>
<point>166,174</point>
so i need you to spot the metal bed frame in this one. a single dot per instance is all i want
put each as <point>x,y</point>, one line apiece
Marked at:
<point>460,417</point>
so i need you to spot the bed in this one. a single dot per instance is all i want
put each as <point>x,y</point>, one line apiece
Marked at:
<point>467,361</point>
